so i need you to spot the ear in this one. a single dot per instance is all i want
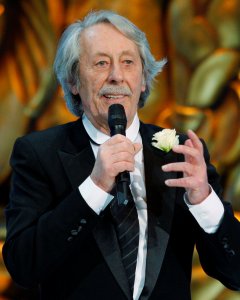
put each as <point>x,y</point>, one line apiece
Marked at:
<point>74,89</point>
<point>143,88</point>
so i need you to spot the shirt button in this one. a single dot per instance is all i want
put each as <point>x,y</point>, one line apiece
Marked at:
<point>83,221</point>
<point>69,239</point>
<point>224,240</point>
<point>231,252</point>
<point>74,232</point>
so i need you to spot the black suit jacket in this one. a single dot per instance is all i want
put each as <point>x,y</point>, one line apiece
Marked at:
<point>56,242</point>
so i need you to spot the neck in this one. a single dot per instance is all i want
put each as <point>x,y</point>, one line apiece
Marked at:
<point>103,126</point>
<point>100,134</point>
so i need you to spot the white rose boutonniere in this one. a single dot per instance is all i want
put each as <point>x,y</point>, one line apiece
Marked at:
<point>165,139</point>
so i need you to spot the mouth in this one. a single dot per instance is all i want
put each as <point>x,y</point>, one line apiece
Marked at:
<point>113,96</point>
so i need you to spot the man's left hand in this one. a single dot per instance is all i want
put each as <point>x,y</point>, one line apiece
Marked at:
<point>194,170</point>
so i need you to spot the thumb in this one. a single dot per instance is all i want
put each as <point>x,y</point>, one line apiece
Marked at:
<point>137,148</point>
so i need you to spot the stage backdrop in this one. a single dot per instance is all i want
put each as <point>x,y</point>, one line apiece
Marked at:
<point>198,89</point>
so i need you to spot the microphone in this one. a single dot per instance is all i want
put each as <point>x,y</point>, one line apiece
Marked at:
<point>117,122</point>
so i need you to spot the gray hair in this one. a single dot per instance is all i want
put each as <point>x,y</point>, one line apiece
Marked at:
<point>66,64</point>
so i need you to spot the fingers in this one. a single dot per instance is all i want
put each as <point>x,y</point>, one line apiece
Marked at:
<point>117,155</point>
<point>179,167</point>
<point>194,140</point>
<point>137,148</point>
<point>120,148</point>
<point>123,153</point>
<point>189,143</point>
<point>192,148</point>
<point>185,182</point>
<point>186,150</point>
<point>193,168</point>
<point>114,156</point>
<point>120,143</point>
<point>122,162</point>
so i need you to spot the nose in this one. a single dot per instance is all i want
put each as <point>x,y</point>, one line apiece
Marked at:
<point>115,74</point>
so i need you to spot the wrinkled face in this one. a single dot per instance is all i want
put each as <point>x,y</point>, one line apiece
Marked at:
<point>110,72</point>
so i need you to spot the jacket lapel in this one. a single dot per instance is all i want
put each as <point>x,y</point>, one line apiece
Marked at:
<point>106,239</point>
<point>160,203</point>
<point>77,156</point>
<point>78,160</point>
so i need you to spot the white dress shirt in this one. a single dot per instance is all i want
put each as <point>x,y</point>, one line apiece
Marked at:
<point>208,213</point>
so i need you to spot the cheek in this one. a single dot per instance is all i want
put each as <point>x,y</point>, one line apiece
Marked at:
<point>87,89</point>
<point>94,85</point>
<point>138,82</point>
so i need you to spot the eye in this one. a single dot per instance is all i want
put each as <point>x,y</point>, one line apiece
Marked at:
<point>128,61</point>
<point>102,63</point>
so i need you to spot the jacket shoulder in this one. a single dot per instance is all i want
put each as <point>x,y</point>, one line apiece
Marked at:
<point>50,135</point>
<point>46,142</point>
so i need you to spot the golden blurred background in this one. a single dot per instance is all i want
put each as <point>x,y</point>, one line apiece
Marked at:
<point>198,89</point>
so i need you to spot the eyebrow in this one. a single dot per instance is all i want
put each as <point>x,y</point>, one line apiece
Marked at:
<point>100,54</point>
<point>125,52</point>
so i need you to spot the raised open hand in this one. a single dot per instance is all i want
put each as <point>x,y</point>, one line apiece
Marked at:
<point>194,179</point>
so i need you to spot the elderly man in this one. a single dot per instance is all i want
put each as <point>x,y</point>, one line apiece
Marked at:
<point>67,234</point>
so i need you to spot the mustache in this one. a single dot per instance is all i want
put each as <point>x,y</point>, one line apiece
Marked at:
<point>115,90</point>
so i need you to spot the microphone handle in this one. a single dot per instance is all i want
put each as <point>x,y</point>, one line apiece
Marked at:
<point>122,185</point>
<point>123,178</point>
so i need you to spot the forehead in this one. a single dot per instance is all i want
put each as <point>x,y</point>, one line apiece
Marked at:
<point>104,38</point>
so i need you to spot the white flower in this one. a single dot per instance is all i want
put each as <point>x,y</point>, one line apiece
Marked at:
<point>165,139</point>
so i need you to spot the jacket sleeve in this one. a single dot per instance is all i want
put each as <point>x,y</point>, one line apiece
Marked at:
<point>219,253</point>
<point>40,230</point>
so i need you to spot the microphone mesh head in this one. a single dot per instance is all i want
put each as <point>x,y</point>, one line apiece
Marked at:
<point>116,116</point>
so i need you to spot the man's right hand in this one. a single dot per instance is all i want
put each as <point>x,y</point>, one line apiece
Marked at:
<point>114,156</point>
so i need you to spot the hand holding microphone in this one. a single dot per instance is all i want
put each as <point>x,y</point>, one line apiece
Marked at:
<point>116,155</point>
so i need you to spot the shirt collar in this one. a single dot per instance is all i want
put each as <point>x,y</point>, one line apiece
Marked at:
<point>99,137</point>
